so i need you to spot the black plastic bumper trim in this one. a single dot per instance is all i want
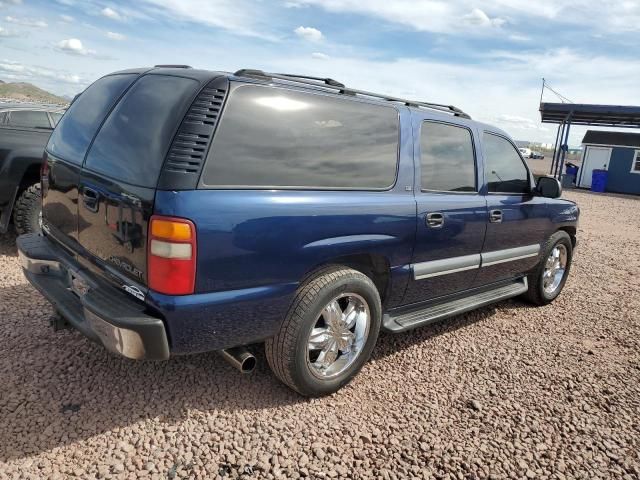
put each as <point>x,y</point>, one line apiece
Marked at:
<point>97,310</point>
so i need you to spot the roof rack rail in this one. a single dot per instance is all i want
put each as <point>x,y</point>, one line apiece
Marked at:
<point>172,66</point>
<point>335,85</point>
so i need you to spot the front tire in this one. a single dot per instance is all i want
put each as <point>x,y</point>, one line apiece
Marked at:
<point>28,210</point>
<point>329,332</point>
<point>548,279</point>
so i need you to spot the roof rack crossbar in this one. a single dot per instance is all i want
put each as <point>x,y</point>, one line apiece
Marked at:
<point>341,88</point>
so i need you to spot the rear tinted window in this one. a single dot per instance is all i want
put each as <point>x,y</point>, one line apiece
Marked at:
<point>276,138</point>
<point>75,130</point>
<point>447,159</point>
<point>29,119</point>
<point>133,142</point>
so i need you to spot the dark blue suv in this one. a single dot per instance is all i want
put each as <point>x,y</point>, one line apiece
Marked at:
<point>189,211</point>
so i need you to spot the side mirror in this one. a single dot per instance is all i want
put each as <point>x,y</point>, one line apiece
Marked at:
<point>548,187</point>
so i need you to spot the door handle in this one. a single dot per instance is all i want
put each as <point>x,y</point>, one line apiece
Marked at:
<point>495,216</point>
<point>435,220</point>
<point>90,199</point>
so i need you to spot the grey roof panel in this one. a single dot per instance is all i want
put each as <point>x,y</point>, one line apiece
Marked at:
<point>600,137</point>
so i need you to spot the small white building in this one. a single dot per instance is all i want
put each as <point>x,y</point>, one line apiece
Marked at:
<point>616,152</point>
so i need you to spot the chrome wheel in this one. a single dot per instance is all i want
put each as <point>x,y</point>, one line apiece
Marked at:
<point>338,336</point>
<point>554,269</point>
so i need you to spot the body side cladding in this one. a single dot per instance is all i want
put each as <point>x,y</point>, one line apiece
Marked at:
<point>446,266</point>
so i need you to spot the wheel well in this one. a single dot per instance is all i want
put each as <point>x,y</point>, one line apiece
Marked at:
<point>376,267</point>
<point>572,231</point>
<point>31,176</point>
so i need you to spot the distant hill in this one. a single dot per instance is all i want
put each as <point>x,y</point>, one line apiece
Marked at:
<point>25,92</point>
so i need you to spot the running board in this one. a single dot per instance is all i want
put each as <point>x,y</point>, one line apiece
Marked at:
<point>417,318</point>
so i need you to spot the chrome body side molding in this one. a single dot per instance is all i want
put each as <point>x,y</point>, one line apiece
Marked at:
<point>509,255</point>
<point>445,266</point>
<point>435,268</point>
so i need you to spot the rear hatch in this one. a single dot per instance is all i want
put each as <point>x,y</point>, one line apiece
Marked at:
<point>115,186</point>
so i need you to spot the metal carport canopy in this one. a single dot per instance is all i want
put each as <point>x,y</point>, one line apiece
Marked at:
<point>595,115</point>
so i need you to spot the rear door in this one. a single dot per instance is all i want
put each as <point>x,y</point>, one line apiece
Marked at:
<point>65,153</point>
<point>451,218</point>
<point>118,183</point>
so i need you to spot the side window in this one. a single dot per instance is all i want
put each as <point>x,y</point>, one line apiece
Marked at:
<point>447,159</point>
<point>504,170</point>
<point>272,137</point>
<point>73,134</point>
<point>29,119</point>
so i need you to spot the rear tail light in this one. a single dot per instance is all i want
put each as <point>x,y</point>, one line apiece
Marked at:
<point>171,255</point>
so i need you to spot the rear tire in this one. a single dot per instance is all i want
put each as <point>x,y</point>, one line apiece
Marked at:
<point>315,355</point>
<point>544,287</point>
<point>28,210</point>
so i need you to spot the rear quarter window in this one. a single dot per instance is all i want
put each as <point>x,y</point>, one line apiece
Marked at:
<point>133,142</point>
<point>76,129</point>
<point>277,138</point>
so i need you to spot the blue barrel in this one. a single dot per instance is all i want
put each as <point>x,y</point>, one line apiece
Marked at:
<point>572,170</point>
<point>598,180</point>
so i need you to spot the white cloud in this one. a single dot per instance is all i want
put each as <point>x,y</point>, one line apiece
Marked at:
<point>444,17</point>
<point>242,17</point>
<point>4,33</point>
<point>111,13</point>
<point>516,37</point>
<point>320,56</point>
<point>26,22</point>
<point>422,15</point>
<point>74,47</point>
<point>115,36</point>
<point>478,18</point>
<point>66,18</point>
<point>309,33</point>
<point>22,72</point>
<point>521,122</point>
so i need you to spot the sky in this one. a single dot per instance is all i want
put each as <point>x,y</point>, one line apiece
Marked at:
<point>487,57</point>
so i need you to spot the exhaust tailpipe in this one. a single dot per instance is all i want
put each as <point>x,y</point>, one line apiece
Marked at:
<point>240,358</point>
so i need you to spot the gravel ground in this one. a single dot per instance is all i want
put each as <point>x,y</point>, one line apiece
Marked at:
<point>509,391</point>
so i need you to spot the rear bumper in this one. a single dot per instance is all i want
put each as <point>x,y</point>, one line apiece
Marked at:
<point>99,311</point>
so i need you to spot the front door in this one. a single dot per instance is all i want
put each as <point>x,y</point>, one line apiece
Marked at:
<point>517,220</point>
<point>594,158</point>
<point>451,214</point>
